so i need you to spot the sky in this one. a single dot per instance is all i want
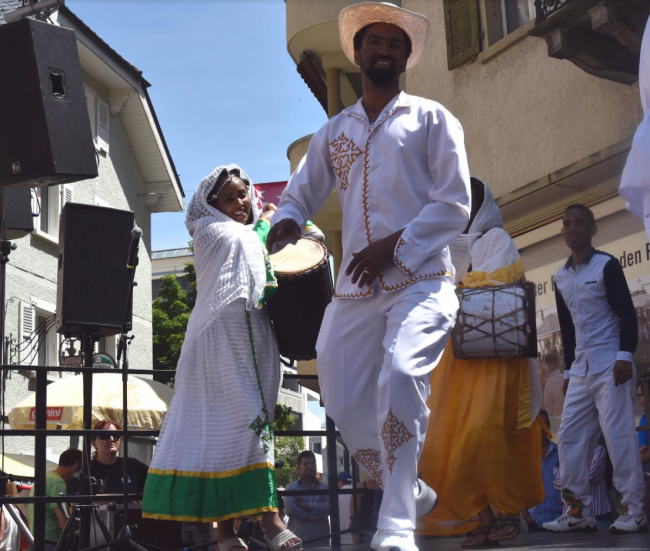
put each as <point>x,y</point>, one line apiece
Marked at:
<point>223,85</point>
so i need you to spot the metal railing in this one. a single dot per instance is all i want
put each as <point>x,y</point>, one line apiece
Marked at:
<point>41,433</point>
<point>545,8</point>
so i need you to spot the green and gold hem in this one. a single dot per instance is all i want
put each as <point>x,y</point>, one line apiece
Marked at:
<point>192,496</point>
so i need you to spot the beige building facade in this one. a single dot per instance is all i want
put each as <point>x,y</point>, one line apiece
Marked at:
<point>541,131</point>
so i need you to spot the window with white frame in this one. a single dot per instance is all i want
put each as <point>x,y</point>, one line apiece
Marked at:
<point>48,203</point>
<point>38,341</point>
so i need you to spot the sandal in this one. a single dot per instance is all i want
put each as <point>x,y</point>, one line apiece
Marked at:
<point>480,530</point>
<point>231,544</point>
<point>282,538</point>
<point>504,522</point>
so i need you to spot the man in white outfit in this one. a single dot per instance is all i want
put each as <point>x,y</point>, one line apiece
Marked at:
<point>599,333</point>
<point>400,167</point>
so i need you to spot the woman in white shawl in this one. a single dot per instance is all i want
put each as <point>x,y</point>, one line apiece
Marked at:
<point>635,180</point>
<point>483,444</point>
<point>214,460</point>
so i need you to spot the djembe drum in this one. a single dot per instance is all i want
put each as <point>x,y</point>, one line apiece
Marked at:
<point>305,288</point>
<point>496,322</point>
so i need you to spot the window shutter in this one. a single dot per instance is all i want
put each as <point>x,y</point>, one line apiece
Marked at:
<point>34,204</point>
<point>103,120</point>
<point>52,342</point>
<point>27,327</point>
<point>91,104</point>
<point>66,194</point>
<point>55,210</point>
<point>463,31</point>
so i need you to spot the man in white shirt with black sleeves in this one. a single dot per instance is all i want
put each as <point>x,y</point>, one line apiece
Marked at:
<point>599,333</point>
<point>401,171</point>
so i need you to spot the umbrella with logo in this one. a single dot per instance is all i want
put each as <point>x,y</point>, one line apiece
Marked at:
<point>147,403</point>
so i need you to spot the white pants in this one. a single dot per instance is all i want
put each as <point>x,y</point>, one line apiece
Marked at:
<point>594,404</point>
<point>375,357</point>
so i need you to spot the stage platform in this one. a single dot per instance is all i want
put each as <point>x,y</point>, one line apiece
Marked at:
<point>602,540</point>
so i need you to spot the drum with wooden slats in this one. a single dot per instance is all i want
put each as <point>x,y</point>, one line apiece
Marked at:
<point>496,322</point>
<point>305,288</point>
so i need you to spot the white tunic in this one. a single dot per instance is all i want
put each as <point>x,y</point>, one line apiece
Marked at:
<point>406,170</point>
<point>635,181</point>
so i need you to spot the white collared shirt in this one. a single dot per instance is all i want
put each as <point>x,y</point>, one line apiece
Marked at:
<point>596,315</point>
<point>406,170</point>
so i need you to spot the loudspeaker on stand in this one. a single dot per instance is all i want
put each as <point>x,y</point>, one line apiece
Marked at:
<point>93,280</point>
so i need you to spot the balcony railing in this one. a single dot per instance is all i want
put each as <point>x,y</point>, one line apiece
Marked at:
<point>545,8</point>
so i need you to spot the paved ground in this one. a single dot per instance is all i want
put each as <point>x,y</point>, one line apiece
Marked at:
<point>557,542</point>
<point>603,540</point>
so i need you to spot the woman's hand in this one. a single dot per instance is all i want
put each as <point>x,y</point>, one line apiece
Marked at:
<point>268,211</point>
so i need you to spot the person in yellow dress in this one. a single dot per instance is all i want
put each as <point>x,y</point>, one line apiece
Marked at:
<point>483,446</point>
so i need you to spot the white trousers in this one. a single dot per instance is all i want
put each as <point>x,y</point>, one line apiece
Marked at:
<point>594,404</point>
<point>375,357</point>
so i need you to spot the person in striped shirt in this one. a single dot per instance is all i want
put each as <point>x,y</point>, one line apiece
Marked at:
<point>551,507</point>
<point>597,485</point>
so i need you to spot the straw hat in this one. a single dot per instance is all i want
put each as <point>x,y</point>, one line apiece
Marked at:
<point>357,16</point>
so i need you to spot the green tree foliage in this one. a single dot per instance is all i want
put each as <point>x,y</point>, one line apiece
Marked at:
<point>171,312</point>
<point>287,448</point>
<point>284,419</point>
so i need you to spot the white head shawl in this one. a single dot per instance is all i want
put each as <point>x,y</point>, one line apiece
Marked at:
<point>487,217</point>
<point>228,255</point>
<point>635,180</point>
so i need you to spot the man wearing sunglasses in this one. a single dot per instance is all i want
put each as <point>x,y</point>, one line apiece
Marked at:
<point>107,467</point>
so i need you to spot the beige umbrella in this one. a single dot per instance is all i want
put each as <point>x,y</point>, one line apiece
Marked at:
<point>147,402</point>
<point>21,465</point>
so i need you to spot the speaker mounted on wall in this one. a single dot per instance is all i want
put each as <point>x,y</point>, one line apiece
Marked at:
<point>93,281</point>
<point>20,218</point>
<point>45,135</point>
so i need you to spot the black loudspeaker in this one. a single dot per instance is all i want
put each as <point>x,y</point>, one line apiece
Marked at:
<point>20,218</point>
<point>45,136</point>
<point>93,283</point>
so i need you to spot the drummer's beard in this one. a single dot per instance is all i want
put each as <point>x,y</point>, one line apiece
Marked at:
<point>379,76</point>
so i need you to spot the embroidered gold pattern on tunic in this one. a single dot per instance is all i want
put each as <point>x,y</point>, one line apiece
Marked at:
<point>371,460</point>
<point>398,263</point>
<point>366,190</point>
<point>360,294</point>
<point>402,284</point>
<point>343,152</point>
<point>394,435</point>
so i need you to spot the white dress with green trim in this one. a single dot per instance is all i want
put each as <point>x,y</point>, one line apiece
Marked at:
<point>214,458</point>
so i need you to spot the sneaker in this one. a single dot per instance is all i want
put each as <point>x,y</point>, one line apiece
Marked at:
<point>568,523</point>
<point>626,524</point>
<point>376,540</point>
<point>393,540</point>
<point>426,500</point>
